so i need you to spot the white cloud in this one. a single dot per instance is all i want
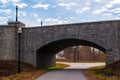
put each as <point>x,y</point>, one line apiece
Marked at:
<point>118,18</point>
<point>7,1</point>
<point>2,17</point>
<point>39,20</point>
<point>21,5</point>
<point>50,21</point>
<point>8,11</point>
<point>3,20</point>
<point>107,7</point>
<point>116,10</point>
<point>115,2</point>
<point>67,5</point>
<point>107,14</point>
<point>22,13</point>
<point>112,3</point>
<point>45,6</point>
<point>97,0</point>
<point>98,11</point>
<point>15,0</point>
<point>3,1</point>
<point>88,4</point>
<point>54,6</point>
<point>83,9</point>
<point>35,15</point>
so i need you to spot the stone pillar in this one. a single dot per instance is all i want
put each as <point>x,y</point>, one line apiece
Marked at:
<point>17,25</point>
<point>8,41</point>
<point>109,57</point>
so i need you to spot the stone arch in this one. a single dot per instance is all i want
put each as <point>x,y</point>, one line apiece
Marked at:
<point>45,56</point>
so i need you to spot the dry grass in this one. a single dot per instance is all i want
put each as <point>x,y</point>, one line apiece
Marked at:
<point>111,72</point>
<point>31,75</point>
<point>10,67</point>
<point>93,76</point>
<point>8,71</point>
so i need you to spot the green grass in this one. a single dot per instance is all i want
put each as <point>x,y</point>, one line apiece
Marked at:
<point>84,61</point>
<point>59,66</point>
<point>97,67</point>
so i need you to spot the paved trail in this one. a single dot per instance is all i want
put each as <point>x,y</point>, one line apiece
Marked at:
<point>81,65</point>
<point>63,75</point>
<point>68,74</point>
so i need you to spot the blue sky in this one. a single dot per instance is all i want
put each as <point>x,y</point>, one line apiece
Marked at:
<point>52,12</point>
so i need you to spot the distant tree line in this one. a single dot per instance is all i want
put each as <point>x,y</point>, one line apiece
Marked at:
<point>82,53</point>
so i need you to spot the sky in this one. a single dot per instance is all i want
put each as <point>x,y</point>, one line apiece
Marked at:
<point>54,12</point>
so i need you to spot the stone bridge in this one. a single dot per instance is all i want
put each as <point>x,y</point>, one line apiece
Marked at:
<point>40,44</point>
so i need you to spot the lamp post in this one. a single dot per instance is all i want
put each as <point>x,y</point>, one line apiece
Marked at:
<point>16,13</point>
<point>19,39</point>
<point>19,31</point>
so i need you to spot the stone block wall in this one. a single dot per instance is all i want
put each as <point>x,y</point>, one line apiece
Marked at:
<point>9,40</point>
<point>8,43</point>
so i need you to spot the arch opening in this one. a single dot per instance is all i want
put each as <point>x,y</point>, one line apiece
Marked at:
<point>45,56</point>
<point>81,57</point>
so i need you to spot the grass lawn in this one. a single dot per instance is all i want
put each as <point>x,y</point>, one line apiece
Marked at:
<point>58,60</point>
<point>111,72</point>
<point>59,66</point>
<point>91,62</point>
<point>8,71</point>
